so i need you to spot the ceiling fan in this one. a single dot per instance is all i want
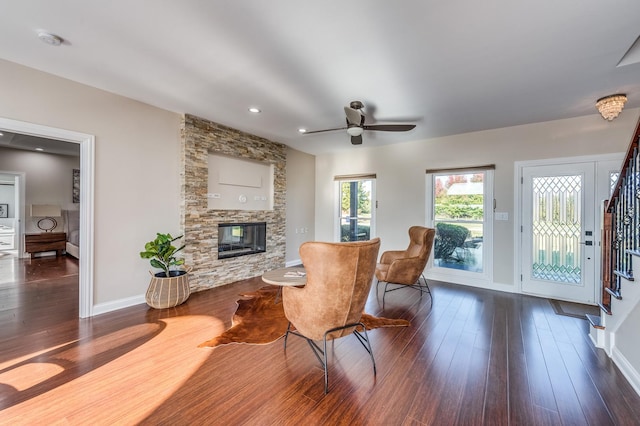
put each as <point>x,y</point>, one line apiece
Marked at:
<point>355,124</point>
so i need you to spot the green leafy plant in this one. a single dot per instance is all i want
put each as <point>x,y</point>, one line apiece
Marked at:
<point>162,253</point>
<point>362,232</point>
<point>448,237</point>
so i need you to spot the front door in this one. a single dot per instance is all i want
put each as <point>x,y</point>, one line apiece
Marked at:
<point>559,231</point>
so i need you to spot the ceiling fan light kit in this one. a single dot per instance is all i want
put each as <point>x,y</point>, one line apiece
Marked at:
<point>355,124</point>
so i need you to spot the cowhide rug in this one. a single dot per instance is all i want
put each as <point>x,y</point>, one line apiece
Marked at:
<point>259,320</point>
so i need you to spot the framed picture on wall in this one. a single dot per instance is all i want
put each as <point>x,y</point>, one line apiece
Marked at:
<point>76,185</point>
<point>4,210</point>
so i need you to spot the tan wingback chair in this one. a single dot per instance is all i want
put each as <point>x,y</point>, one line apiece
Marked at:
<point>405,267</point>
<point>330,305</point>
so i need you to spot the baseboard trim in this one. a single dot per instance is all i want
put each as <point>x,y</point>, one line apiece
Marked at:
<point>595,344</point>
<point>627,369</point>
<point>488,285</point>
<point>103,308</point>
<point>293,263</point>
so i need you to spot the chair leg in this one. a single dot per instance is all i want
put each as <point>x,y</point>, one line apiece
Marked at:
<point>428,290</point>
<point>286,335</point>
<point>385,293</point>
<point>326,367</point>
<point>317,351</point>
<point>422,288</point>
<point>364,340</point>
<point>323,360</point>
<point>321,353</point>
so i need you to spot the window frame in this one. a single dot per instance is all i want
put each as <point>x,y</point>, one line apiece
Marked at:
<point>338,180</point>
<point>485,277</point>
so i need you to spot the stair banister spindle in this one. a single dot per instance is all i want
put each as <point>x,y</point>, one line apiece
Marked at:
<point>635,192</point>
<point>628,237</point>
<point>619,242</point>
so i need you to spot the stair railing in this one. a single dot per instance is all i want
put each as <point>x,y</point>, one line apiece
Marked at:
<point>621,226</point>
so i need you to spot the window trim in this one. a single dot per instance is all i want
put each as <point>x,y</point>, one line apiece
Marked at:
<point>336,197</point>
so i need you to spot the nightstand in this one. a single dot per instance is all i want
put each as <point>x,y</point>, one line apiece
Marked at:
<point>45,241</point>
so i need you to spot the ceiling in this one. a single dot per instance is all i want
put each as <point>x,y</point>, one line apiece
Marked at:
<point>448,66</point>
<point>34,143</point>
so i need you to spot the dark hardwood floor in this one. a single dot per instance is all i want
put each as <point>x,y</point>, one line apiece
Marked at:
<point>476,357</point>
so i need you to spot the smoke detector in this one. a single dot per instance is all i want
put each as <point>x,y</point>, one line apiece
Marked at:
<point>49,38</point>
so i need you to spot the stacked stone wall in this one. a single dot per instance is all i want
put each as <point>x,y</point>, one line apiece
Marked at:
<point>200,224</point>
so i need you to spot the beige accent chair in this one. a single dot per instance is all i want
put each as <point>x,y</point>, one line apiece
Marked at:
<point>330,305</point>
<point>406,267</point>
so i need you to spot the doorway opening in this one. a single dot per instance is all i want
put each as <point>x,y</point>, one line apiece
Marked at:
<point>11,185</point>
<point>560,209</point>
<point>86,143</point>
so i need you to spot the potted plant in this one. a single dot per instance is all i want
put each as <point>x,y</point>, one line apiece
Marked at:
<point>170,286</point>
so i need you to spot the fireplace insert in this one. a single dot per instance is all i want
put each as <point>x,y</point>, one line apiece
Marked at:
<point>240,239</point>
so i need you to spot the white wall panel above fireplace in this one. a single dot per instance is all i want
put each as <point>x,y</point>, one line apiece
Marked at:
<point>239,184</point>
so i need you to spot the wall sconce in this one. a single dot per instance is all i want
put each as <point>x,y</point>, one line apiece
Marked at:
<point>47,212</point>
<point>611,106</point>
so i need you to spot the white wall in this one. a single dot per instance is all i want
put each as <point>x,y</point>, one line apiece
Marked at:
<point>239,184</point>
<point>626,341</point>
<point>400,170</point>
<point>620,336</point>
<point>300,202</point>
<point>137,166</point>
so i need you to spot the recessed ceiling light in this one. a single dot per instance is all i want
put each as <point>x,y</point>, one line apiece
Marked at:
<point>49,38</point>
<point>302,130</point>
<point>39,149</point>
<point>254,110</point>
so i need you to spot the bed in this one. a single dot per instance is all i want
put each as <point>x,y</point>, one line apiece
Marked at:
<point>72,228</point>
<point>7,234</point>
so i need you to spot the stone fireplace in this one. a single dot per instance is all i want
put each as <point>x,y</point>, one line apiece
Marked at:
<point>200,138</point>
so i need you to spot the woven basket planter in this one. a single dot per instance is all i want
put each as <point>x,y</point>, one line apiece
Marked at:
<point>168,292</point>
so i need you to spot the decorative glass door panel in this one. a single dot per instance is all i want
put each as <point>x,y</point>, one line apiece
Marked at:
<point>558,232</point>
<point>556,228</point>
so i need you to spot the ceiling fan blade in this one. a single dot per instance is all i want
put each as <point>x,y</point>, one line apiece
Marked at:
<point>325,130</point>
<point>390,127</point>
<point>356,140</point>
<point>354,116</point>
